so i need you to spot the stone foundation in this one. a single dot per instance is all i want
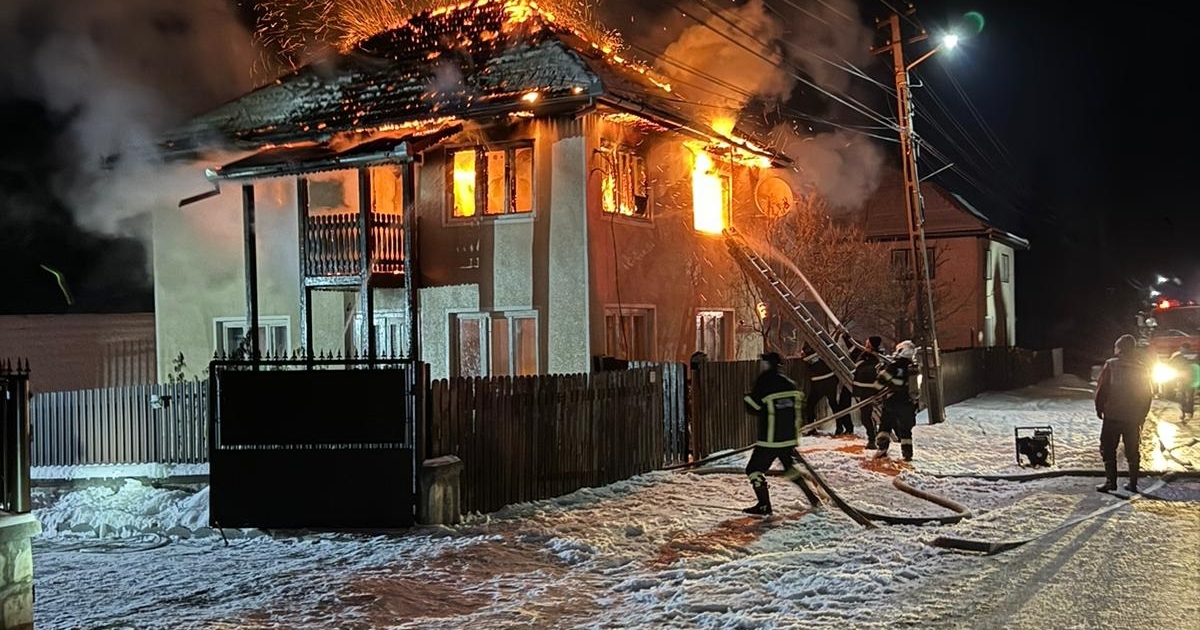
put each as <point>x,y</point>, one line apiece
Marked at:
<point>16,570</point>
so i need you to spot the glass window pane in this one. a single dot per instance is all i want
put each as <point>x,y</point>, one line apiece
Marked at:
<point>496,191</point>
<point>525,346</point>
<point>279,340</point>
<point>523,173</point>
<point>499,346</point>
<point>464,183</point>
<point>470,347</point>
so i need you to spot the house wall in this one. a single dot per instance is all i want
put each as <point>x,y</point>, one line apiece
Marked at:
<point>84,351</point>
<point>663,263</point>
<point>199,272</point>
<point>1000,325</point>
<point>959,289</point>
<point>519,263</point>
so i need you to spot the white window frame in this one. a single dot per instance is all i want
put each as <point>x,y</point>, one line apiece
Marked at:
<point>727,331</point>
<point>481,182</point>
<point>384,319</point>
<point>613,153</point>
<point>1005,267</point>
<point>221,324</point>
<point>485,339</point>
<point>630,310</point>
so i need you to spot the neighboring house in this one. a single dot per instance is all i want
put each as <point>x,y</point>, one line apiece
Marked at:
<point>83,351</point>
<point>532,203</point>
<point>974,262</point>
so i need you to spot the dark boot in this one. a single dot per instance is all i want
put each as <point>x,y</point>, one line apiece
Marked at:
<point>763,507</point>
<point>1110,478</point>
<point>869,426</point>
<point>1134,469</point>
<point>882,442</point>
<point>907,451</point>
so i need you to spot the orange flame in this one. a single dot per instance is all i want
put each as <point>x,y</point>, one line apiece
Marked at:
<point>464,183</point>
<point>709,193</point>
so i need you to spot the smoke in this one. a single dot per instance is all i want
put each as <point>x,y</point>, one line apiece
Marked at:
<point>709,68</point>
<point>722,60</point>
<point>86,87</point>
<point>843,167</point>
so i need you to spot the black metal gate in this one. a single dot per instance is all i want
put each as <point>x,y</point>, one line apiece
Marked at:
<point>300,444</point>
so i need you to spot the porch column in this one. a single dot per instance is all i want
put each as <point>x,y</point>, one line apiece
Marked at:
<point>408,187</point>
<point>251,259</point>
<point>306,327</point>
<point>366,295</point>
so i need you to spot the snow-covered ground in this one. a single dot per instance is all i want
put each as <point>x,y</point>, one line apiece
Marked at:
<point>669,550</point>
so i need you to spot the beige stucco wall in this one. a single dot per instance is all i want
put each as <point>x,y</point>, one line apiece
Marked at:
<point>437,306</point>
<point>199,272</point>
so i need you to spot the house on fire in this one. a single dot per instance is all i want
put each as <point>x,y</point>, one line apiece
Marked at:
<point>483,188</point>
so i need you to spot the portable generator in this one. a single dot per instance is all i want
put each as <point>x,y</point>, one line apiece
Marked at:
<point>1034,446</point>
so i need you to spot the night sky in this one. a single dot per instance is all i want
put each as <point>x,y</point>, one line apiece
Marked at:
<point>1090,109</point>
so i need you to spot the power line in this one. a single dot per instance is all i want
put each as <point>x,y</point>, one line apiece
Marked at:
<point>987,129</point>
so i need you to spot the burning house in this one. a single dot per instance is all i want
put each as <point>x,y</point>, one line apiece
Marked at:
<point>483,187</point>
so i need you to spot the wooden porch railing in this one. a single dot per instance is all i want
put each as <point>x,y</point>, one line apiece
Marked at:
<point>333,249</point>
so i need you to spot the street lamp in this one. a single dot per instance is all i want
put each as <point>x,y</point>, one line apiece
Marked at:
<point>931,362</point>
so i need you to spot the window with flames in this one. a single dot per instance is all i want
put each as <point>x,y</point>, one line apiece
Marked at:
<point>625,188</point>
<point>491,181</point>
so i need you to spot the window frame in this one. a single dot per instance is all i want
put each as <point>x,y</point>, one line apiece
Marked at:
<point>1005,267</point>
<point>727,332</point>
<point>613,152</point>
<point>987,264</point>
<point>486,350</point>
<point>267,322</point>
<point>630,310</point>
<point>510,150</point>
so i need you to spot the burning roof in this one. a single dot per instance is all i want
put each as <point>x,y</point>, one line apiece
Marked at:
<point>474,60</point>
<point>477,59</point>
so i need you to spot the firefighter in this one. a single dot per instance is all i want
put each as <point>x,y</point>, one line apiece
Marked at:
<point>899,409</point>
<point>823,385</point>
<point>1123,395</point>
<point>775,400</point>
<point>866,385</point>
<point>845,424</point>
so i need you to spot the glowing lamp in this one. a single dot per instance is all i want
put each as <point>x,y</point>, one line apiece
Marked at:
<point>1164,305</point>
<point>950,41</point>
<point>1163,373</point>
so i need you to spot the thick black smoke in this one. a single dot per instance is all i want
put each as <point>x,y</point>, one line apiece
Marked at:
<point>85,88</point>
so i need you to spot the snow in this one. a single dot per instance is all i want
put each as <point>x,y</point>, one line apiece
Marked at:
<point>116,471</point>
<point>664,550</point>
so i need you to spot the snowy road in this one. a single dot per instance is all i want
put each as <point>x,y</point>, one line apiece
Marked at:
<point>655,552</point>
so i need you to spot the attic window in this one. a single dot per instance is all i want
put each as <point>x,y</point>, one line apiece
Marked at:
<point>625,189</point>
<point>496,181</point>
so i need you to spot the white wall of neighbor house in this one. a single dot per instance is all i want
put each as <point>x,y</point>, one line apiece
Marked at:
<point>1000,279</point>
<point>199,272</point>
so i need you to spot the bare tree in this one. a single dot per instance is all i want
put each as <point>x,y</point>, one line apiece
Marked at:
<point>857,279</point>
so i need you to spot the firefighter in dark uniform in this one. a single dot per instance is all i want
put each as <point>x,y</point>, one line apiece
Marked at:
<point>899,409</point>
<point>866,385</point>
<point>823,385</point>
<point>775,400</point>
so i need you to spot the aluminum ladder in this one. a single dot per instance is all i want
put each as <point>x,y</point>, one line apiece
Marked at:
<point>834,355</point>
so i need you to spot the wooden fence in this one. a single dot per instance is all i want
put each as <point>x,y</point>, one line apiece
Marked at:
<point>121,425</point>
<point>537,437</point>
<point>719,421</point>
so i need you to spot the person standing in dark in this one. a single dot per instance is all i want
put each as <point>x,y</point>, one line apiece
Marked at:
<point>1187,393</point>
<point>899,410</point>
<point>775,401</point>
<point>823,385</point>
<point>1123,395</point>
<point>866,385</point>
<point>845,424</point>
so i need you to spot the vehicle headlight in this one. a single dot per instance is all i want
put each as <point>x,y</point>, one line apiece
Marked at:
<point>1163,373</point>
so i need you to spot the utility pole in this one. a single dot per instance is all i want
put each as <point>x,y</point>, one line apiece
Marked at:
<point>931,360</point>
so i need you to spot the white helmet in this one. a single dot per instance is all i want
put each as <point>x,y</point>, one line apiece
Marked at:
<point>906,350</point>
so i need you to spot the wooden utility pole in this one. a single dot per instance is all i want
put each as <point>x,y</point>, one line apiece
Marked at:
<point>931,361</point>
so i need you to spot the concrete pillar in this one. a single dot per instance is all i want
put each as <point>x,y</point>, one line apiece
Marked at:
<point>439,501</point>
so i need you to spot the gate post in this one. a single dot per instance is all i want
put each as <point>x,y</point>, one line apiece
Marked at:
<point>15,429</point>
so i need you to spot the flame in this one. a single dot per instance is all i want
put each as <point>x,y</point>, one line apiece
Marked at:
<point>531,97</point>
<point>708,196</point>
<point>464,184</point>
<point>724,125</point>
